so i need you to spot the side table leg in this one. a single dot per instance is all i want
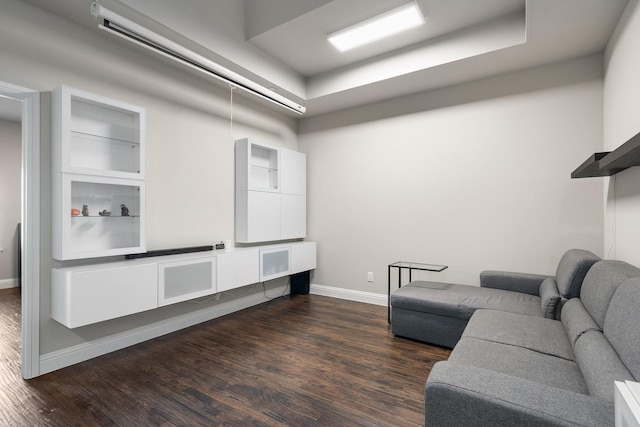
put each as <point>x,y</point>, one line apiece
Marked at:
<point>389,294</point>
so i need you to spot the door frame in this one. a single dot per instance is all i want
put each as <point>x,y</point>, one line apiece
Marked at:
<point>30,229</point>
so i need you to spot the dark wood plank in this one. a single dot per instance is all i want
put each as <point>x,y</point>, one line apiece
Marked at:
<point>301,360</point>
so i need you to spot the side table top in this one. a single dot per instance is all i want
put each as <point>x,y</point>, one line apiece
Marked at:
<point>418,266</point>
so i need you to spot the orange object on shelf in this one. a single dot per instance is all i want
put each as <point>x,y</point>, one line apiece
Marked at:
<point>75,212</point>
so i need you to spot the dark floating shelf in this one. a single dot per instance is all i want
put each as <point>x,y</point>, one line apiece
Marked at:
<point>590,167</point>
<point>610,163</point>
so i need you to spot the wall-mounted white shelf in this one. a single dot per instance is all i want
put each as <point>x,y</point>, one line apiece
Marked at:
<point>98,162</point>
<point>270,193</point>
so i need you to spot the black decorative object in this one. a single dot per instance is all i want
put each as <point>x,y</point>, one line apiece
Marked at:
<point>162,252</point>
<point>85,210</point>
<point>104,213</point>
<point>124,211</point>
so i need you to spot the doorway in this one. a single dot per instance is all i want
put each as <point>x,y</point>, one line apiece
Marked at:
<point>10,191</point>
<point>29,233</point>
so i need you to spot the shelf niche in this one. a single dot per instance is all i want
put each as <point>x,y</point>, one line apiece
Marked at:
<point>610,163</point>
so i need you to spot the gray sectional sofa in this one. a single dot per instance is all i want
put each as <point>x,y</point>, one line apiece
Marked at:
<point>511,368</point>
<point>438,313</point>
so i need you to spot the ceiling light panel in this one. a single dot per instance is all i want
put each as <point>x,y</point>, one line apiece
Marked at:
<point>378,27</point>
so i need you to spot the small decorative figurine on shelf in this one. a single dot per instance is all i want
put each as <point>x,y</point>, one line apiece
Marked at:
<point>104,213</point>
<point>85,210</point>
<point>124,211</point>
<point>75,212</point>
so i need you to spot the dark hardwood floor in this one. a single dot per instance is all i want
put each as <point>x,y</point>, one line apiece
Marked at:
<point>294,361</point>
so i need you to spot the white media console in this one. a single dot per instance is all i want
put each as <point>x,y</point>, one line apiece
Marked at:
<point>83,295</point>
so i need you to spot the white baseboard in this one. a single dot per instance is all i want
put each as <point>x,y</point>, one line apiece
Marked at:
<point>9,283</point>
<point>349,294</point>
<point>60,359</point>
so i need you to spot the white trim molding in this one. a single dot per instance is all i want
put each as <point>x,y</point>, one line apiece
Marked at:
<point>349,294</point>
<point>9,283</point>
<point>30,230</point>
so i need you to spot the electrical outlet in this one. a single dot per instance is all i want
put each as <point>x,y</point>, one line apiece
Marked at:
<point>370,276</point>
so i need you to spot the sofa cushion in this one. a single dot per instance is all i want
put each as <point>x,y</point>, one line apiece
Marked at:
<point>600,284</point>
<point>572,269</point>
<point>461,301</point>
<point>622,324</point>
<point>546,336</point>
<point>577,320</point>
<point>458,395</point>
<point>549,298</point>
<point>600,364</point>
<point>519,362</point>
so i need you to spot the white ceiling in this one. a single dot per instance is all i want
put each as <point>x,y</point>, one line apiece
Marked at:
<point>301,42</point>
<point>283,42</point>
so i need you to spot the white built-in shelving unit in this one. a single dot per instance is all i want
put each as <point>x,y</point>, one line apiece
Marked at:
<point>98,161</point>
<point>270,193</point>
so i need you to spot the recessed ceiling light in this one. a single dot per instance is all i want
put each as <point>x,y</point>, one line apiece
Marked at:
<point>378,27</point>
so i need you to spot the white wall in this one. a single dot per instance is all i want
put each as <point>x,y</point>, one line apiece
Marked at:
<point>10,207</point>
<point>622,122</point>
<point>190,175</point>
<point>475,176</point>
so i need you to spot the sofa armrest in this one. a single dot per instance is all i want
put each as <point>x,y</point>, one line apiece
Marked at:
<point>517,282</point>
<point>458,394</point>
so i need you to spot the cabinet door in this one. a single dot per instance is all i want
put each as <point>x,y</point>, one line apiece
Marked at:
<point>293,172</point>
<point>263,216</point>
<point>96,135</point>
<point>293,216</point>
<point>89,295</point>
<point>275,263</point>
<point>88,218</point>
<point>184,280</point>
<point>236,269</point>
<point>303,257</point>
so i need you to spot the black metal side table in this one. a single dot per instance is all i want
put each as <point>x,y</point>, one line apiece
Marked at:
<point>404,265</point>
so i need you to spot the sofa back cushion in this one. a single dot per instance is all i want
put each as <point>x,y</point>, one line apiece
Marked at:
<point>572,269</point>
<point>601,283</point>
<point>577,320</point>
<point>622,324</point>
<point>599,364</point>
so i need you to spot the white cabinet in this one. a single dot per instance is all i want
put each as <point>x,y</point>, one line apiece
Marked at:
<point>262,217</point>
<point>293,172</point>
<point>98,176</point>
<point>186,279</point>
<point>293,216</point>
<point>87,294</point>
<point>270,193</point>
<point>238,268</point>
<point>303,257</point>
<point>84,295</point>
